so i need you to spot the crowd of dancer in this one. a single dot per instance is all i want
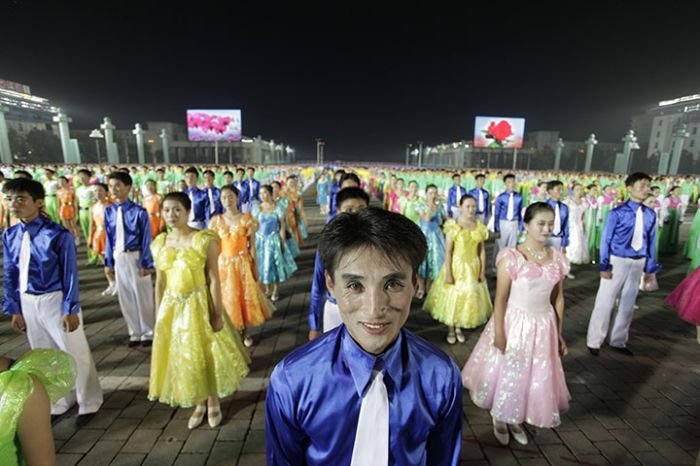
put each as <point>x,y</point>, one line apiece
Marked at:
<point>223,240</point>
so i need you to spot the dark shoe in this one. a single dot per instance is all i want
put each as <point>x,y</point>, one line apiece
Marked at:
<point>593,351</point>
<point>624,351</point>
<point>146,343</point>
<point>133,343</point>
<point>84,419</point>
<point>55,417</point>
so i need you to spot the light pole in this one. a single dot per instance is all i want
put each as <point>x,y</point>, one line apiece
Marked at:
<point>590,143</point>
<point>420,154</point>
<point>319,152</point>
<point>558,146</point>
<point>679,136</point>
<point>408,151</point>
<point>97,135</point>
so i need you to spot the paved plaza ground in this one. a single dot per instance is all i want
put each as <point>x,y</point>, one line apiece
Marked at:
<point>624,410</point>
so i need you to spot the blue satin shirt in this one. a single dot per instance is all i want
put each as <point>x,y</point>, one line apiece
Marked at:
<point>564,222</point>
<point>200,204</point>
<point>137,232</point>
<point>52,266</point>
<point>618,232</point>
<point>501,209</point>
<point>487,205</point>
<point>319,294</point>
<point>313,402</point>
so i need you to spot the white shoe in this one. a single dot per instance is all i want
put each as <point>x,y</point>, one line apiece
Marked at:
<point>451,338</point>
<point>500,431</point>
<point>460,336</point>
<point>108,291</point>
<point>214,416</point>
<point>570,276</point>
<point>197,417</point>
<point>247,341</point>
<point>113,291</point>
<point>518,433</point>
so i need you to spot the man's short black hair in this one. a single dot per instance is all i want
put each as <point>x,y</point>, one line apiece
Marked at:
<point>84,171</point>
<point>392,234</point>
<point>192,170</point>
<point>479,175</point>
<point>23,174</point>
<point>208,172</point>
<point>507,176</point>
<point>229,173</point>
<point>349,176</point>
<point>456,175</point>
<point>553,184</point>
<point>24,185</point>
<point>121,176</point>
<point>637,176</point>
<point>351,192</point>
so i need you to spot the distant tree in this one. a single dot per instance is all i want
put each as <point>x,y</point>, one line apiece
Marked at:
<point>44,146</point>
<point>18,145</point>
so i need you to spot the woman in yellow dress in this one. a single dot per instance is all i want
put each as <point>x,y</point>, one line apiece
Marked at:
<point>243,297</point>
<point>460,297</point>
<point>197,356</point>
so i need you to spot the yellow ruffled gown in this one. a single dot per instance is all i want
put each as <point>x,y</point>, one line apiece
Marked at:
<point>466,303</point>
<point>190,361</point>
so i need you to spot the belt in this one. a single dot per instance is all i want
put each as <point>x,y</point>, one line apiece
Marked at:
<point>85,208</point>
<point>49,195</point>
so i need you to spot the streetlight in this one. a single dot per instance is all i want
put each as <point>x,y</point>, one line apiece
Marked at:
<point>97,135</point>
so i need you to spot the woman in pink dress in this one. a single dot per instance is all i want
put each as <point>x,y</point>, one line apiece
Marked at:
<point>686,299</point>
<point>515,369</point>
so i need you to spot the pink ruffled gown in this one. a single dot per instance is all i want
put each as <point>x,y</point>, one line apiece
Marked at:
<point>526,384</point>
<point>685,298</point>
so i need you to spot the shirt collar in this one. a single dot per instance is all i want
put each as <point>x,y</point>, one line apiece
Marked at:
<point>34,226</point>
<point>633,205</point>
<point>361,363</point>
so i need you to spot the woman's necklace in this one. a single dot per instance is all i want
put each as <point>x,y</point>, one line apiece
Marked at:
<point>538,255</point>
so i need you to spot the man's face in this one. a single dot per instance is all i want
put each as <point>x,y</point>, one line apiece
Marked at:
<point>22,206</point>
<point>209,179</point>
<point>456,180</point>
<point>251,174</point>
<point>191,179</point>
<point>352,206</point>
<point>510,184</point>
<point>228,179</point>
<point>239,175</point>
<point>639,191</point>
<point>555,192</point>
<point>480,181</point>
<point>119,190</point>
<point>374,296</point>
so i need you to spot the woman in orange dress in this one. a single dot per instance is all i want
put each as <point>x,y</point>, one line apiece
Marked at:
<point>242,295</point>
<point>66,207</point>
<point>152,202</point>
<point>98,235</point>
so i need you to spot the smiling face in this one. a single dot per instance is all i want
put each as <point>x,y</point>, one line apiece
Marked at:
<point>374,296</point>
<point>540,227</point>
<point>175,214</point>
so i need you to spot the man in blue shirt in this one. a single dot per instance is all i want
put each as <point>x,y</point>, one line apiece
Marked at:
<point>238,184</point>
<point>322,306</point>
<point>454,194</point>
<point>40,291</point>
<point>128,259</point>
<point>627,252</point>
<point>213,195</point>
<point>483,201</point>
<point>199,214</point>
<point>368,391</point>
<point>559,237</point>
<point>507,216</point>
<point>250,191</point>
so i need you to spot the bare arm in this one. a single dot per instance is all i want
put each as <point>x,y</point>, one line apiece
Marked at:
<point>214,284</point>
<point>449,250</point>
<point>482,261</point>
<point>160,288</point>
<point>557,300</point>
<point>499,304</point>
<point>34,428</point>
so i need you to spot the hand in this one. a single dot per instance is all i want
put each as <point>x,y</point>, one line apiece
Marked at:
<point>606,275</point>
<point>648,277</point>
<point>144,272</point>
<point>449,279</point>
<point>563,349</point>
<point>482,276</point>
<point>110,273</point>
<point>497,235</point>
<point>71,322</point>
<point>563,251</point>
<point>18,323</point>
<point>499,341</point>
<point>313,334</point>
<point>216,322</point>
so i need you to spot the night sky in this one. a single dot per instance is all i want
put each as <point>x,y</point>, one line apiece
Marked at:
<point>366,80</point>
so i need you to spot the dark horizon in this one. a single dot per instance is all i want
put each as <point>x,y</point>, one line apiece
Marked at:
<point>367,82</point>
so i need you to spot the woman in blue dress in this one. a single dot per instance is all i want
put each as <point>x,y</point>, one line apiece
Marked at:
<point>275,262</point>
<point>322,188</point>
<point>283,204</point>
<point>432,215</point>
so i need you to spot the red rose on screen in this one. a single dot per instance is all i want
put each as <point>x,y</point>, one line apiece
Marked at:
<point>500,131</point>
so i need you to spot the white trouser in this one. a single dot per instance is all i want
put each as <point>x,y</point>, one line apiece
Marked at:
<point>331,316</point>
<point>481,218</point>
<point>135,296</point>
<point>509,237</point>
<point>553,242</point>
<point>196,225</point>
<point>685,198</point>
<point>43,316</point>
<point>626,274</point>
<point>455,211</point>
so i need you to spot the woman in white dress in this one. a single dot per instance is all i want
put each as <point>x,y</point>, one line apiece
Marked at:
<point>577,250</point>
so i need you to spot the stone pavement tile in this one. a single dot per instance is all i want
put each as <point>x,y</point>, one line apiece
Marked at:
<point>669,407</point>
<point>225,453</point>
<point>603,392</point>
<point>176,430</point>
<point>544,436</point>
<point>651,458</point>
<point>65,459</point>
<point>474,463</point>
<point>141,441</point>
<point>82,441</point>
<point>616,453</point>
<point>471,450</point>
<point>254,442</point>
<point>568,424</point>
<point>594,430</point>
<point>163,453</point>
<point>529,452</point>
<point>645,428</point>
<point>125,459</point>
<point>656,417</point>
<point>200,441</point>
<point>594,460</point>
<point>103,418</point>
<point>120,429</point>
<point>64,429</point>
<point>156,419</point>
<point>631,440</point>
<point>252,459</point>
<point>690,424</point>
<point>578,443</point>
<point>138,408</point>
<point>188,459</point>
<point>609,419</point>
<point>672,452</point>
<point>233,430</point>
<point>501,456</point>
<point>241,410</point>
<point>119,399</point>
<point>102,453</point>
